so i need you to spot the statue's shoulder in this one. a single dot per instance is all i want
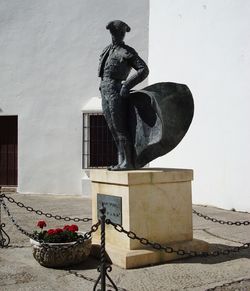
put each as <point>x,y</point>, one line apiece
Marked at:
<point>105,49</point>
<point>129,51</point>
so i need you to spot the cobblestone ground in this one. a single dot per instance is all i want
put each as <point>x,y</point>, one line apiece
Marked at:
<point>19,270</point>
<point>243,285</point>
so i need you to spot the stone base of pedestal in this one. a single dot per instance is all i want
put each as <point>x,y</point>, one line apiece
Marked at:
<point>129,259</point>
<point>155,204</point>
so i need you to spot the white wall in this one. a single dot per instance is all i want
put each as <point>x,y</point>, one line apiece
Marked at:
<point>49,53</point>
<point>206,45</point>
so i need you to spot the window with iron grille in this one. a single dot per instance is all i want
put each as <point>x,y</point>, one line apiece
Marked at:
<point>99,149</point>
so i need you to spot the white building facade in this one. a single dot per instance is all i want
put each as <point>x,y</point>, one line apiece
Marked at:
<point>206,45</point>
<point>49,56</point>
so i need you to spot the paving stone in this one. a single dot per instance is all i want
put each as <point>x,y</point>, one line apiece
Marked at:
<point>19,270</point>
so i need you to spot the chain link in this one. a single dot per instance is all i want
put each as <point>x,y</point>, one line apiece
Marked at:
<point>81,240</point>
<point>30,235</point>
<point>40,212</point>
<point>120,229</point>
<point>221,221</point>
<point>170,250</point>
<point>86,219</point>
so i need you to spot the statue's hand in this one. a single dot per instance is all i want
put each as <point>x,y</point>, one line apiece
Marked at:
<point>124,91</point>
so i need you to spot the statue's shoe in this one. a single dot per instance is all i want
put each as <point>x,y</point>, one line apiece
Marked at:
<point>123,167</point>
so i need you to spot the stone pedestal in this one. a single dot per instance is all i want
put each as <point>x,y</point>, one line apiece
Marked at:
<point>156,204</point>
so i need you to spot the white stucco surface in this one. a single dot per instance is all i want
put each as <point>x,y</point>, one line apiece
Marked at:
<point>93,105</point>
<point>49,53</point>
<point>206,45</point>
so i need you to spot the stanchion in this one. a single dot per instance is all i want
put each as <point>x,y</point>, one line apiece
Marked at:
<point>103,268</point>
<point>4,238</point>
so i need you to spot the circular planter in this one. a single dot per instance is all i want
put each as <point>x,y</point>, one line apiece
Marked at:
<point>61,254</point>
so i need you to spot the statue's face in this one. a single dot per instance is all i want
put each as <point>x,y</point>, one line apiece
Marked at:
<point>118,35</point>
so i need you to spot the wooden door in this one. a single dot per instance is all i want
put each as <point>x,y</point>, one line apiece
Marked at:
<point>8,150</point>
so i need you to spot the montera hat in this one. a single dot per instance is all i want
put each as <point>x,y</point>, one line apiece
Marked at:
<point>117,25</point>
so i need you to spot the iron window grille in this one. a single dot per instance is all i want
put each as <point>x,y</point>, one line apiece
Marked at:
<point>99,148</point>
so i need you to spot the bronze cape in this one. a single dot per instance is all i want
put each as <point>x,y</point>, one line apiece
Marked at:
<point>159,117</point>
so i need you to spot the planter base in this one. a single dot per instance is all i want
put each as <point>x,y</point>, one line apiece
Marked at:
<point>60,255</point>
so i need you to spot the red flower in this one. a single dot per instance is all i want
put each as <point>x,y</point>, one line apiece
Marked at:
<point>73,228</point>
<point>41,224</point>
<point>66,227</point>
<point>58,230</point>
<point>51,231</point>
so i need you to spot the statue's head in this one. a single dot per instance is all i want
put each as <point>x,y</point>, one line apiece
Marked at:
<point>118,30</point>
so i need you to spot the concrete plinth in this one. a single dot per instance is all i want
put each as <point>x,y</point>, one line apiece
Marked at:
<point>156,204</point>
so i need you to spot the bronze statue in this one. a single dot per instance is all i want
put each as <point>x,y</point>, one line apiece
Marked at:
<point>146,123</point>
<point>116,62</point>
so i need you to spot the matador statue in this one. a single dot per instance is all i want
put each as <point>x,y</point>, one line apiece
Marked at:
<point>147,123</point>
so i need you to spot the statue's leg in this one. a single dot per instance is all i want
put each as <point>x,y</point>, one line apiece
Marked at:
<point>119,115</point>
<point>108,117</point>
<point>115,110</point>
<point>127,163</point>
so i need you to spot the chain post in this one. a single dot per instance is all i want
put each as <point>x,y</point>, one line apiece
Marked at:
<point>103,267</point>
<point>4,242</point>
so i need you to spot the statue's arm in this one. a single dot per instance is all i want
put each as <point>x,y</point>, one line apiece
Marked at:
<point>142,72</point>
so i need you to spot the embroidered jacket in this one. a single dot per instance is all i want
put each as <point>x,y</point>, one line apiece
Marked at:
<point>116,62</point>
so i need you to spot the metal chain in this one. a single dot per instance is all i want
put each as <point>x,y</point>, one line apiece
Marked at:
<point>30,235</point>
<point>221,221</point>
<point>170,250</point>
<point>119,228</point>
<point>48,215</point>
<point>79,241</point>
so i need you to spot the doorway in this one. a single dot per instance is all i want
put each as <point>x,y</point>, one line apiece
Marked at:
<point>8,150</point>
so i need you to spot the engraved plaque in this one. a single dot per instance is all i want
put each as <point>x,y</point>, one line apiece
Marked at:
<point>113,205</point>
